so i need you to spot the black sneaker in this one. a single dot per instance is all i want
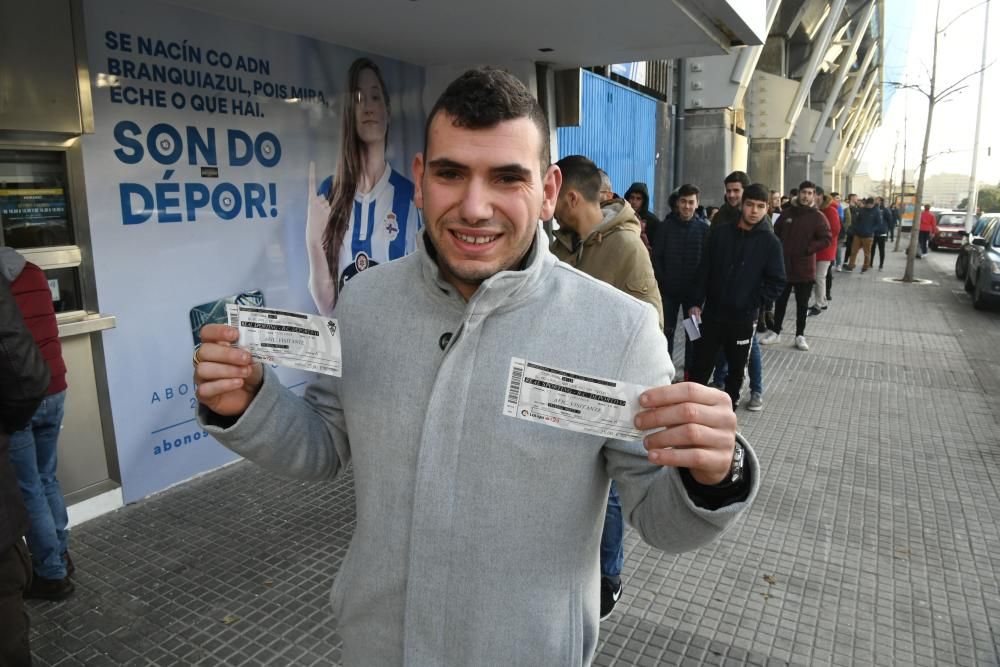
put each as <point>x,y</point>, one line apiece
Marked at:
<point>814,310</point>
<point>610,594</point>
<point>49,589</point>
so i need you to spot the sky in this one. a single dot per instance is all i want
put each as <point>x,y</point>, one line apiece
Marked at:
<point>909,49</point>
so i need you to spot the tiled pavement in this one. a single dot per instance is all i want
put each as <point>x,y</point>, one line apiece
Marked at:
<point>874,539</point>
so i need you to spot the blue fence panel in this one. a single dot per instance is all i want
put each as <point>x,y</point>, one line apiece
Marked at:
<point>617,131</point>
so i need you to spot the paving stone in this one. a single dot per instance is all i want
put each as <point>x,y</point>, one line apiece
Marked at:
<point>878,522</point>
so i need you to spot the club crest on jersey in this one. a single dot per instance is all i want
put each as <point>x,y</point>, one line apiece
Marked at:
<point>391,225</point>
<point>361,262</point>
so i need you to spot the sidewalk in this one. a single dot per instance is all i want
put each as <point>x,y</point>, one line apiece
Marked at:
<point>874,539</point>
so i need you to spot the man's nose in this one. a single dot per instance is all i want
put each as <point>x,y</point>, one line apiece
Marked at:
<point>476,204</point>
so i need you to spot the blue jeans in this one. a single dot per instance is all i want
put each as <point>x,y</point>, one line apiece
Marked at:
<point>613,537</point>
<point>754,369</point>
<point>33,455</point>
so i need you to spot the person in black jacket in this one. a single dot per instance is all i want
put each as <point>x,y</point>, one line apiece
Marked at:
<point>24,379</point>
<point>638,196</point>
<point>741,269</point>
<point>730,211</point>
<point>676,255</point>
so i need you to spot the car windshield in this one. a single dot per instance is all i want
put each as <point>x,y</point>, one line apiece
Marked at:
<point>952,220</point>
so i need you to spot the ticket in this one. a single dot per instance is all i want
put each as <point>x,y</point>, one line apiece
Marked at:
<point>295,340</point>
<point>593,405</point>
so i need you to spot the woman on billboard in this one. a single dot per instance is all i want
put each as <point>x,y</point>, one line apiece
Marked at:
<point>363,215</point>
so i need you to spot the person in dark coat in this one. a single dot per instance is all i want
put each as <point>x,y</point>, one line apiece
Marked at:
<point>741,270</point>
<point>638,196</point>
<point>803,232</point>
<point>730,211</point>
<point>866,224</point>
<point>24,378</point>
<point>676,255</point>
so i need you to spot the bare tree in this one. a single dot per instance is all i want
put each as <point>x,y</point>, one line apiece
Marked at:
<point>934,97</point>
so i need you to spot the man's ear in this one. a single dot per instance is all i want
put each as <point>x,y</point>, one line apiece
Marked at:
<point>418,177</point>
<point>551,183</point>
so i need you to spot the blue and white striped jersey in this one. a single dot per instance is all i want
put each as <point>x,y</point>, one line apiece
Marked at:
<point>384,225</point>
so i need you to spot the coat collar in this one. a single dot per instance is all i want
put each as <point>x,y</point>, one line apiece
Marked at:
<point>503,289</point>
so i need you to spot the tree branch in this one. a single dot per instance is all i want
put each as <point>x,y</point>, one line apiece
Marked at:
<point>948,91</point>
<point>961,14</point>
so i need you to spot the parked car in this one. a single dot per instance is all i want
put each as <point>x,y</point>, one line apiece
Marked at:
<point>983,276</point>
<point>951,232</point>
<point>965,252</point>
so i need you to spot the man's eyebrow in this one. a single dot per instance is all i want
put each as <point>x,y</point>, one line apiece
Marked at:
<point>445,163</point>
<point>512,168</point>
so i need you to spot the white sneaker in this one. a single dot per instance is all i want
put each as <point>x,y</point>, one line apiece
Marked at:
<point>800,343</point>
<point>770,338</point>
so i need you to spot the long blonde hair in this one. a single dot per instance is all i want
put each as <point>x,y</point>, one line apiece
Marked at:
<point>345,181</point>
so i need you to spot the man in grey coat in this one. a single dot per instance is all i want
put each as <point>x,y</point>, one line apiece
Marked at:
<point>477,533</point>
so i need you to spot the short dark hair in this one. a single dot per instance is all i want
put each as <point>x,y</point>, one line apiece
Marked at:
<point>483,98</point>
<point>834,194</point>
<point>605,181</point>
<point>851,195</point>
<point>756,192</point>
<point>793,192</point>
<point>687,190</point>
<point>806,184</point>
<point>581,174</point>
<point>738,177</point>
<point>820,190</point>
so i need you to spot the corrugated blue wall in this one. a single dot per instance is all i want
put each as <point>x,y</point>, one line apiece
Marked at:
<point>617,131</point>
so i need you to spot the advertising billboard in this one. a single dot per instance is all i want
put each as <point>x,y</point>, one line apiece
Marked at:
<point>222,153</point>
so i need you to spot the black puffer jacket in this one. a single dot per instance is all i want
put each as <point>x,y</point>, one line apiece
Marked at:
<point>740,272</point>
<point>676,255</point>
<point>24,378</point>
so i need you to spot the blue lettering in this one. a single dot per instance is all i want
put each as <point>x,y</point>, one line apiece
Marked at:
<point>255,196</point>
<point>127,193</point>
<point>122,131</point>
<point>118,41</point>
<point>196,195</point>
<point>268,149</point>
<point>164,143</point>
<point>205,146</point>
<point>239,157</point>
<point>226,201</point>
<point>165,201</point>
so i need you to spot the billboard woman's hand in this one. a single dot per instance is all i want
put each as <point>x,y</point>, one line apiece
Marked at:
<point>319,212</point>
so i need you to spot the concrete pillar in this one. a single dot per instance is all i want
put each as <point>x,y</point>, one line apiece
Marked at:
<point>767,163</point>
<point>712,149</point>
<point>772,56</point>
<point>662,185</point>
<point>797,169</point>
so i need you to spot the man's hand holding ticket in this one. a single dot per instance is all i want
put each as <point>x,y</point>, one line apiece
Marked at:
<point>684,425</point>
<point>295,340</point>
<point>229,376</point>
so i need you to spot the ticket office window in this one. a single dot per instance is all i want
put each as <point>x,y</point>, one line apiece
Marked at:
<point>36,216</point>
<point>34,210</point>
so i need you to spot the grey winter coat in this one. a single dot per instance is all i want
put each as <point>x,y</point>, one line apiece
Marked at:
<point>477,534</point>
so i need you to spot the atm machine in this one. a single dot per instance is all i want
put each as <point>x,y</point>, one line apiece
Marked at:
<point>45,109</point>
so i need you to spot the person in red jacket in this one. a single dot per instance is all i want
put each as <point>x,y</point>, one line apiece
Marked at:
<point>928,228</point>
<point>803,231</point>
<point>33,449</point>
<point>825,257</point>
